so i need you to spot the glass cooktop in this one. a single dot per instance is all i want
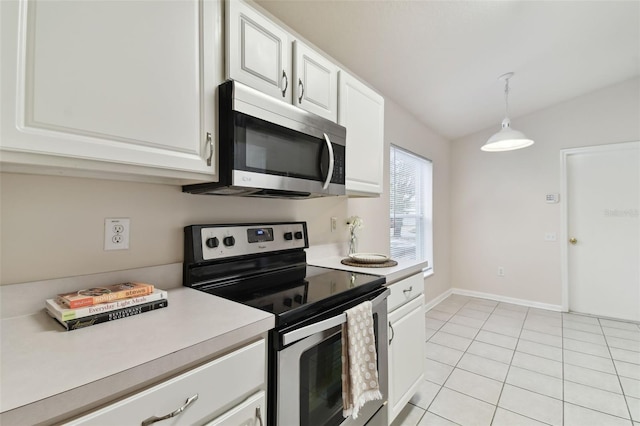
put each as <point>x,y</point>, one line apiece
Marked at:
<point>298,292</point>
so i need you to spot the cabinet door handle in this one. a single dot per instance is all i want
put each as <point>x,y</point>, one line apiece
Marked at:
<point>154,419</point>
<point>393,333</point>
<point>259,416</point>
<point>407,290</point>
<point>301,86</point>
<point>286,83</point>
<point>210,145</point>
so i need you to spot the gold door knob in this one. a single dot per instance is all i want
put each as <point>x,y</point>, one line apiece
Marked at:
<point>573,240</point>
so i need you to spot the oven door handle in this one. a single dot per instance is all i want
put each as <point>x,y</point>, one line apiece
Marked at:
<point>310,330</point>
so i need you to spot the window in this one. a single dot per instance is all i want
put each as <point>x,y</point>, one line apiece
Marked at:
<point>411,224</point>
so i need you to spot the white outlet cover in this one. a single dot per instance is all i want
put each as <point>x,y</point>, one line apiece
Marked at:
<point>116,233</point>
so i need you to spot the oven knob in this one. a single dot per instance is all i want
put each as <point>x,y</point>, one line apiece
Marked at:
<point>229,241</point>
<point>288,302</point>
<point>212,242</point>
<point>298,235</point>
<point>298,299</point>
<point>288,236</point>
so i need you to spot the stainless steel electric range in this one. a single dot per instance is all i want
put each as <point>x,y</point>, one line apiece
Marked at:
<point>263,265</point>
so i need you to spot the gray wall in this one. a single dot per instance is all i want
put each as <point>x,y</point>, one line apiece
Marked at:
<point>499,213</point>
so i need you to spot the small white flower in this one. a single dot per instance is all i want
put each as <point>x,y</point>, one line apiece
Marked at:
<point>355,222</point>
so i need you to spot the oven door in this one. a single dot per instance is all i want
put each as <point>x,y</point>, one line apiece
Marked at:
<point>309,383</point>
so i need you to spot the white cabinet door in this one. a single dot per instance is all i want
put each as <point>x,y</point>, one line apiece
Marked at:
<point>203,391</point>
<point>361,111</point>
<point>249,413</point>
<point>406,354</point>
<point>258,51</point>
<point>124,86</point>
<point>315,86</point>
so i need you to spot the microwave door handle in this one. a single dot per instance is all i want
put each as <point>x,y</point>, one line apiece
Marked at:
<point>331,159</point>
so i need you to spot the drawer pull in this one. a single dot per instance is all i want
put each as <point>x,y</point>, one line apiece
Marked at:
<point>259,415</point>
<point>393,333</point>
<point>407,290</point>
<point>154,419</point>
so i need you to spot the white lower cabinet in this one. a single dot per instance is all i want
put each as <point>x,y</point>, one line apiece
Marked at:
<point>249,413</point>
<point>205,394</point>
<point>406,342</point>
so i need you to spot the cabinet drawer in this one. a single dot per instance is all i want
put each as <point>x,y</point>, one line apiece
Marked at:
<point>250,413</point>
<point>217,384</point>
<point>404,291</point>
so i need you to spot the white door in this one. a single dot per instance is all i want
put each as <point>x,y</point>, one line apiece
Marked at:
<point>126,83</point>
<point>258,51</point>
<point>361,111</point>
<point>315,86</point>
<point>603,230</point>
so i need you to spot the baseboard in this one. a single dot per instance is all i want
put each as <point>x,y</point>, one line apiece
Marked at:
<point>429,305</point>
<point>505,299</point>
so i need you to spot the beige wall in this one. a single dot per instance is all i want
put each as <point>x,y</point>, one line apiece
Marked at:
<point>52,226</point>
<point>499,214</point>
<point>404,130</point>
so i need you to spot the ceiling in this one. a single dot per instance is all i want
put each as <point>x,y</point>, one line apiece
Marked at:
<point>441,59</point>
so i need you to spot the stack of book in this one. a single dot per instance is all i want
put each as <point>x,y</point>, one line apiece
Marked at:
<point>96,305</point>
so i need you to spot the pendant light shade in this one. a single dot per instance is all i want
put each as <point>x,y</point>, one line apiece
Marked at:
<point>506,139</point>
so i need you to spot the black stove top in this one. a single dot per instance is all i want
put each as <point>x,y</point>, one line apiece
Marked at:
<point>299,292</point>
<point>264,266</point>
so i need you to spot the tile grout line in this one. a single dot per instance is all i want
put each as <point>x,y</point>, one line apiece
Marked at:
<point>442,385</point>
<point>455,366</point>
<point>562,348</point>
<point>563,375</point>
<point>624,395</point>
<point>504,382</point>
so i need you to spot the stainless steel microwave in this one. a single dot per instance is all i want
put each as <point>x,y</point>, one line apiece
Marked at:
<point>268,148</point>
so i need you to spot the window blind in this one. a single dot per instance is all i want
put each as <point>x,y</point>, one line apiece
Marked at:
<point>410,229</point>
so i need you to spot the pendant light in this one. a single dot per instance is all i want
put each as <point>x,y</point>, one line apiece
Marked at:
<point>506,139</point>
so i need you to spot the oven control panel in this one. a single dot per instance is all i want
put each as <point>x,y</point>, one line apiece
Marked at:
<point>223,241</point>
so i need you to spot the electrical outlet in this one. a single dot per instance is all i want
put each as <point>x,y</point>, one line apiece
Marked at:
<point>500,271</point>
<point>334,223</point>
<point>116,233</point>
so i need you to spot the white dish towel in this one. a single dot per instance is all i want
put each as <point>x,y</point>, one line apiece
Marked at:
<point>359,360</point>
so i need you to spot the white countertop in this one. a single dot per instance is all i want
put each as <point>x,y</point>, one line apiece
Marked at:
<point>403,269</point>
<point>59,372</point>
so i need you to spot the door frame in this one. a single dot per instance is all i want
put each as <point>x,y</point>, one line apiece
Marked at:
<point>564,221</point>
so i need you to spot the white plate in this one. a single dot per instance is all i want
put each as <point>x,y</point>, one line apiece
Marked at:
<point>369,257</point>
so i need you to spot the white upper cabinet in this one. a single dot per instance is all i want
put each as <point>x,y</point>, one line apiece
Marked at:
<point>258,51</point>
<point>111,86</point>
<point>361,111</point>
<point>315,86</point>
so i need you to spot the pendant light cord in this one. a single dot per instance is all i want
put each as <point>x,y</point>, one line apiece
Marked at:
<point>506,97</point>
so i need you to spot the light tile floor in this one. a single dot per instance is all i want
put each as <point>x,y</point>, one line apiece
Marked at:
<point>491,363</point>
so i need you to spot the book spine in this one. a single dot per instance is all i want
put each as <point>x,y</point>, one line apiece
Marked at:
<point>62,313</point>
<point>95,300</point>
<point>78,323</point>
